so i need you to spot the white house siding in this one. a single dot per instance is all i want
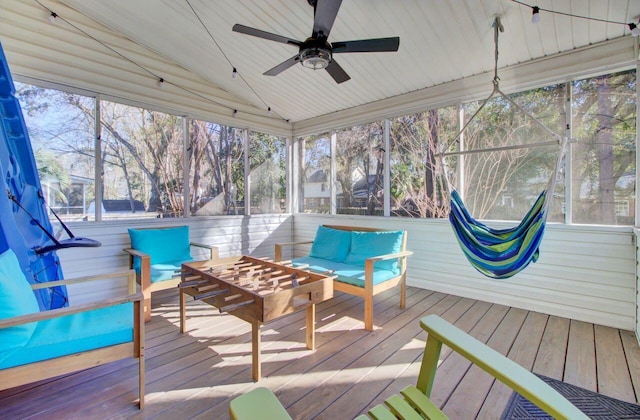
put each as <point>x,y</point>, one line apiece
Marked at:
<point>233,235</point>
<point>586,273</point>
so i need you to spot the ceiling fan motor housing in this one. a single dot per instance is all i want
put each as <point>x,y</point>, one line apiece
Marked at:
<point>315,53</point>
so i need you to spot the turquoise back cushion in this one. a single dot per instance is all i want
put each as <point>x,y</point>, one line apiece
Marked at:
<point>371,244</point>
<point>163,245</point>
<point>16,298</point>
<point>331,244</point>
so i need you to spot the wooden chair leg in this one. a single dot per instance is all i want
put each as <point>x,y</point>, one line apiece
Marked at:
<point>145,286</point>
<point>139,344</point>
<point>368,312</point>
<point>368,295</point>
<point>403,291</point>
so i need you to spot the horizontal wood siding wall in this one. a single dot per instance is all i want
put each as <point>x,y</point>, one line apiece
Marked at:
<point>233,235</point>
<point>584,273</point>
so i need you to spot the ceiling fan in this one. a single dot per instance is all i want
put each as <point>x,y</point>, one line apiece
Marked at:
<point>316,52</point>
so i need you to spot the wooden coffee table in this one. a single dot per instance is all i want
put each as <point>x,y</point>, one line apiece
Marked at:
<point>255,290</point>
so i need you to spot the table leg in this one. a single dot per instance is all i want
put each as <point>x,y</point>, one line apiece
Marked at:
<point>183,311</point>
<point>311,326</point>
<point>255,351</point>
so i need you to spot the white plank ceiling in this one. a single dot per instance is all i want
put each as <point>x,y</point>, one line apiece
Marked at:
<point>440,41</point>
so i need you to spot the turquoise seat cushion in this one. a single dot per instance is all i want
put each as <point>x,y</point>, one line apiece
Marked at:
<point>76,333</point>
<point>371,244</point>
<point>16,298</point>
<point>346,273</point>
<point>164,246</point>
<point>167,271</point>
<point>331,244</point>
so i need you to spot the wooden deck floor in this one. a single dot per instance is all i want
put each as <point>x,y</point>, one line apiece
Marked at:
<point>196,374</point>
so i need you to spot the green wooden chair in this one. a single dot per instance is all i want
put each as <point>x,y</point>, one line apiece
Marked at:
<point>413,401</point>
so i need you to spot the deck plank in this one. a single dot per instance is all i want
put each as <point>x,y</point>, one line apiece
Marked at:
<point>195,375</point>
<point>632,356</point>
<point>580,365</point>
<point>467,399</point>
<point>453,369</point>
<point>523,352</point>
<point>613,371</point>
<point>551,357</point>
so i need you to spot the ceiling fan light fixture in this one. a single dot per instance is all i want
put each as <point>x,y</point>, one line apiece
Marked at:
<point>315,58</point>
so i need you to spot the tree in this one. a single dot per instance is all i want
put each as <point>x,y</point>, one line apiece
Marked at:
<point>604,124</point>
<point>360,163</point>
<point>268,172</point>
<point>417,182</point>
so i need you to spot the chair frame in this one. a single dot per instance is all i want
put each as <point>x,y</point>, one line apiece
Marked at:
<point>369,290</point>
<point>144,277</point>
<point>46,369</point>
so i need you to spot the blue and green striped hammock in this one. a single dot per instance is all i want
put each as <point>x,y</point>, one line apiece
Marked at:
<point>499,253</point>
<point>502,253</point>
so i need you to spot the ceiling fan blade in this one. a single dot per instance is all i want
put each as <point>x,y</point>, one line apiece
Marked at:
<point>265,35</point>
<point>324,14</point>
<point>282,66</point>
<point>337,72</point>
<point>367,45</point>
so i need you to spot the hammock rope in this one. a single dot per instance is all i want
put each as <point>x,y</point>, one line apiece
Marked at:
<point>502,253</point>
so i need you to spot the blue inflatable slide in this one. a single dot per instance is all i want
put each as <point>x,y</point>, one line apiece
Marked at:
<point>24,215</point>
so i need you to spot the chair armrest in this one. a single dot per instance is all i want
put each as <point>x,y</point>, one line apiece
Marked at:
<point>496,364</point>
<point>294,243</point>
<point>401,254</point>
<point>278,248</point>
<point>214,252</point>
<point>55,313</point>
<point>135,253</point>
<point>129,274</point>
<point>145,259</point>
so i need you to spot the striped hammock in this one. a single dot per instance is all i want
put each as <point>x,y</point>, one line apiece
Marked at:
<point>502,253</point>
<point>499,253</point>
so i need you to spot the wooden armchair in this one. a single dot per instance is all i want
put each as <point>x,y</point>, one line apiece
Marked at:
<point>375,272</point>
<point>413,401</point>
<point>104,331</point>
<point>157,255</point>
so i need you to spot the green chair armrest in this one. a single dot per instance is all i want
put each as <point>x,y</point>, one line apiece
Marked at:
<point>499,366</point>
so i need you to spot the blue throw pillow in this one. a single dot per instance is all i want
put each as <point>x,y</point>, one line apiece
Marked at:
<point>331,244</point>
<point>163,245</point>
<point>371,244</point>
<point>16,298</point>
